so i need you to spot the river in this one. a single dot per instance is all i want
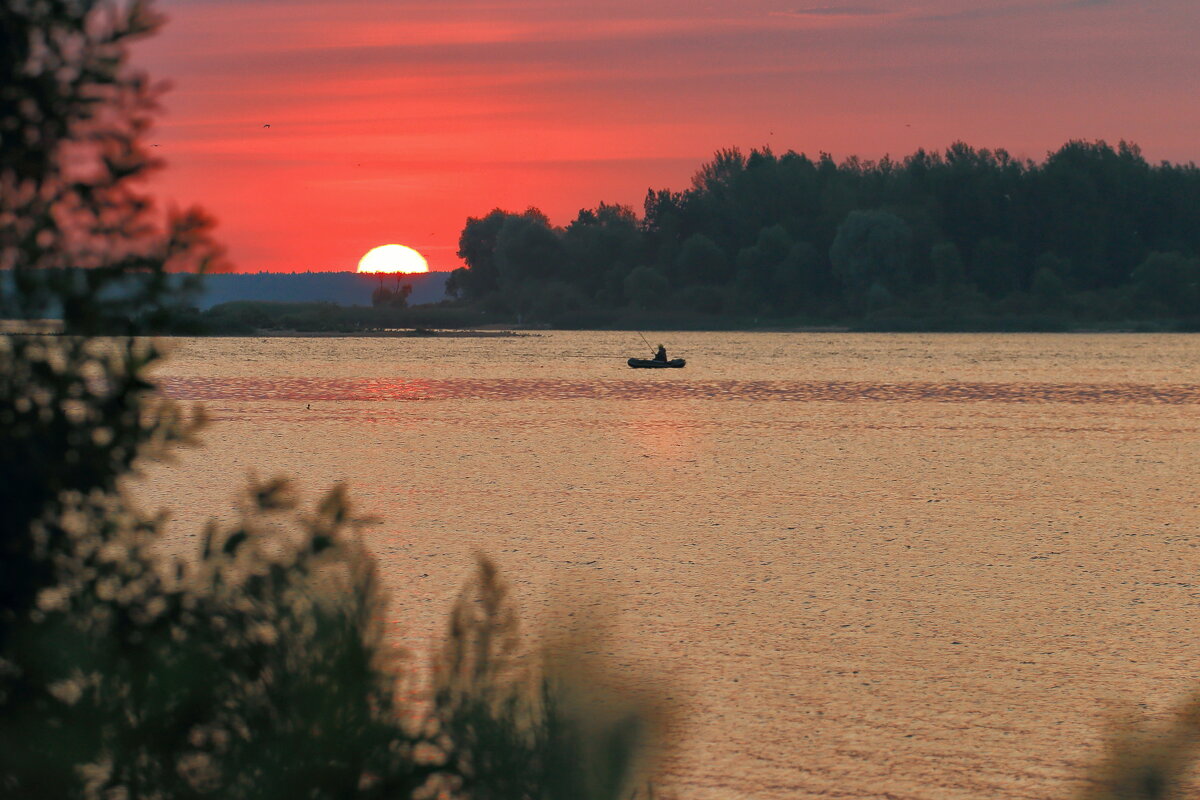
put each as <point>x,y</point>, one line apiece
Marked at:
<point>915,566</point>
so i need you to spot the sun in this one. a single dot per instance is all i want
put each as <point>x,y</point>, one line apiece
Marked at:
<point>393,258</point>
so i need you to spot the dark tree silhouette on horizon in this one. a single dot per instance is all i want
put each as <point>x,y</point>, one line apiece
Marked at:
<point>962,234</point>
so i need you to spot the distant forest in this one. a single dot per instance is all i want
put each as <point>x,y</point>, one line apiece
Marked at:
<point>342,288</point>
<point>969,238</point>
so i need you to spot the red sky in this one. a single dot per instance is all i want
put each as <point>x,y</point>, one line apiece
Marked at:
<point>392,121</point>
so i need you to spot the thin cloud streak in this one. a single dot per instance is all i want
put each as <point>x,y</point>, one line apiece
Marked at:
<point>831,11</point>
<point>1043,9</point>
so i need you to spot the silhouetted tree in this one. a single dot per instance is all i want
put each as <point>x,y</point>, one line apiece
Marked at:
<point>477,247</point>
<point>719,175</point>
<point>663,225</point>
<point>997,267</point>
<point>799,278</point>
<point>646,287</point>
<point>701,261</point>
<point>383,297</point>
<point>947,265</point>
<point>961,229</point>
<point>1048,288</point>
<point>1169,281</point>
<point>759,261</point>
<point>598,241</point>
<point>871,247</point>
<point>701,299</point>
<point>527,249</point>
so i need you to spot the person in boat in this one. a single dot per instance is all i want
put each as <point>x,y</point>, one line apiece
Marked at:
<point>661,355</point>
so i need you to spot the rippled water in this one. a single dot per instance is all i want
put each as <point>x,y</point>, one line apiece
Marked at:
<point>360,389</point>
<point>921,566</point>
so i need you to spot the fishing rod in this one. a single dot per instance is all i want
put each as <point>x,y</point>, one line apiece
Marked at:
<point>639,333</point>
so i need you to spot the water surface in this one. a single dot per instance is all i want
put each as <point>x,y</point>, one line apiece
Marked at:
<point>921,566</point>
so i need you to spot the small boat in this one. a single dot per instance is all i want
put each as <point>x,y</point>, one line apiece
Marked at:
<point>650,363</point>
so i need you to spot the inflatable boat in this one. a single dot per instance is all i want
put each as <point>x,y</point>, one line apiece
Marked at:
<point>650,363</point>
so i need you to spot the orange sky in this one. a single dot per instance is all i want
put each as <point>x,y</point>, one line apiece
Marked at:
<point>392,121</point>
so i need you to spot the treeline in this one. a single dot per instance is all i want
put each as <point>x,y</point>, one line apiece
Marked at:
<point>955,239</point>
<point>249,318</point>
<point>343,288</point>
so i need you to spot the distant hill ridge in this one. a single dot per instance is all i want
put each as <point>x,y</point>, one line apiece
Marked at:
<point>342,288</point>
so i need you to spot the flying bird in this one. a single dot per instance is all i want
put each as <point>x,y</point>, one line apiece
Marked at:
<point>267,125</point>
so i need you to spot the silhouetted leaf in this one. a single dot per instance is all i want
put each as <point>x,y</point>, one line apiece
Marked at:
<point>234,542</point>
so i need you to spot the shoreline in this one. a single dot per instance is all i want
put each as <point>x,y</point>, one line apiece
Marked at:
<point>51,327</point>
<point>397,333</point>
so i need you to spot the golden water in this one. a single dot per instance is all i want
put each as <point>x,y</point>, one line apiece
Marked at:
<point>915,566</point>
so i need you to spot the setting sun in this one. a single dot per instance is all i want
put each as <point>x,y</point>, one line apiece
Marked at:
<point>393,258</point>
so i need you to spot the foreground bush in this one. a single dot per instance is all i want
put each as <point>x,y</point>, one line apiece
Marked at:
<point>520,727</point>
<point>249,671</point>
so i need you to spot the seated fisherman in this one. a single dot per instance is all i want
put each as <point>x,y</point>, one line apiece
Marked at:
<point>661,355</point>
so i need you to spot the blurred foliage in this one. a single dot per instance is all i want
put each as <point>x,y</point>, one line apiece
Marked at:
<point>1145,761</point>
<point>252,671</point>
<point>79,237</point>
<point>519,729</point>
<point>249,671</point>
<point>76,411</point>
